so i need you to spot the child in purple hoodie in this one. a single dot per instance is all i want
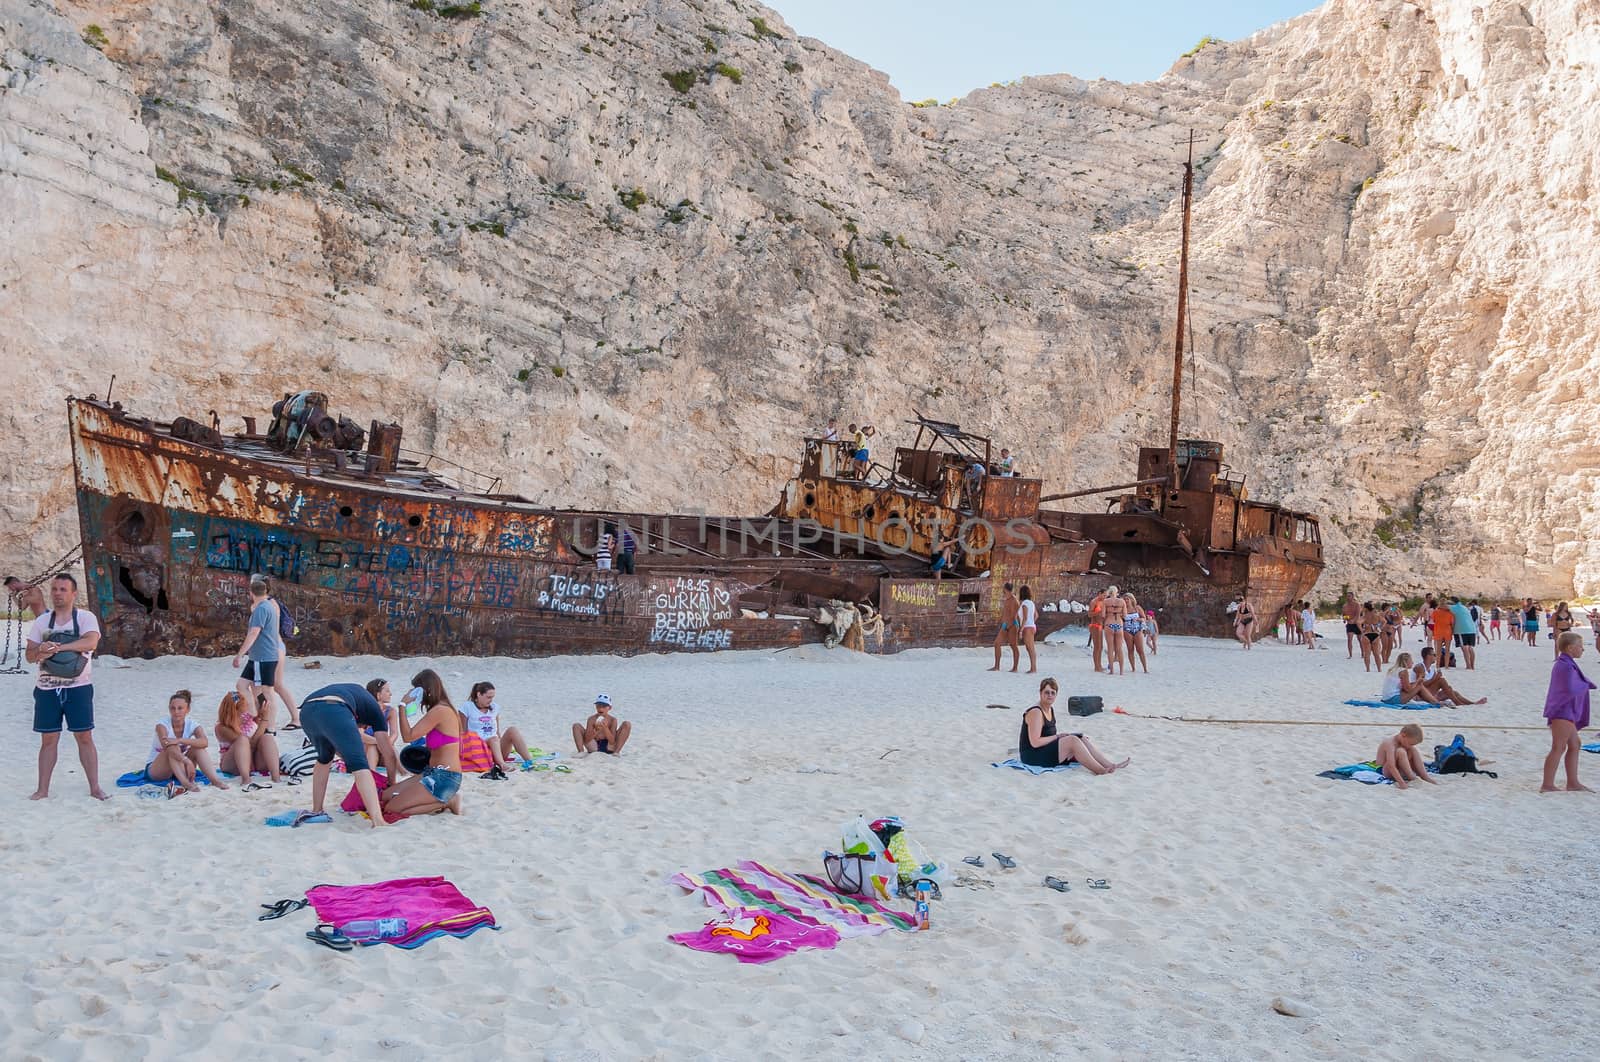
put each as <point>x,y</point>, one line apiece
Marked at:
<point>1566,707</point>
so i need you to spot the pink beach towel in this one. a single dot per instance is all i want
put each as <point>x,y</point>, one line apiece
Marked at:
<point>432,907</point>
<point>756,936</point>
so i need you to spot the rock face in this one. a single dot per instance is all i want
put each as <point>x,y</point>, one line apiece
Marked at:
<point>623,252</point>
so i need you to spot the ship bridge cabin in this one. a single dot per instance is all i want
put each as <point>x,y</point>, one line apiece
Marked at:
<point>946,480</point>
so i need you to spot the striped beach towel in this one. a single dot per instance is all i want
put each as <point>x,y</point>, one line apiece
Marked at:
<point>803,897</point>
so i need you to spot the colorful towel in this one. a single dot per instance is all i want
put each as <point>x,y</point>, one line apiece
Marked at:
<point>134,779</point>
<point>807,899</point>
<point>1017,764</point>
<point>1414,706</point>
<point>1368,773</point>
<point>757,936</point>
<point>297,819</point>
<point>475,755</point>
<point>432,907</point>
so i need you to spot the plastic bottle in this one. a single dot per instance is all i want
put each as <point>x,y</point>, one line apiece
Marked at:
<point>374,928</point>
<point>924,898</point>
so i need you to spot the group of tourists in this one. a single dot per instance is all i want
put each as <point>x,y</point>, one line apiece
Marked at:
<point>1121,631</point>
<point>346,724</point>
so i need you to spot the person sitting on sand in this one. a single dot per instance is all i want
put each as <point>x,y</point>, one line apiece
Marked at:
<point>440,727</point>
<point>601,732</point>
<point>333,718</point>
<point>1038,744</point>
<point>1401,685</point>
<point>243,744</point>
<point>179,749</point>
<point>383,693</point>
<point>483,716</point>
<point>1399,759</point>
<point>1566,707</point>
<point>1432,679</point>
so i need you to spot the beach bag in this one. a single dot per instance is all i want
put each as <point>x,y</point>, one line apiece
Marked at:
<point>299,763</point>
<point>64,665</point>
<point>1085,705</point>
<point>1456,758</point>
<point>286,627</point>
<point>848,873</point>
<point>877,872</point>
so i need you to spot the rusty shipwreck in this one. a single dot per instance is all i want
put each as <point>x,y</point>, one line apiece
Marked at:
<point>376,549</point>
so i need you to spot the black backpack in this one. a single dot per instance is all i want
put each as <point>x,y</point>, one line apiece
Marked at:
<point>1456,758</point>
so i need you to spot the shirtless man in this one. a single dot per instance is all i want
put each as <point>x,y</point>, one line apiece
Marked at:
<point>1352,623</point>
<point>1399,759</point>
<point>28,597</point>
<point>1432,680</point>
<point>1114,611</point>
<point>1007,634</point>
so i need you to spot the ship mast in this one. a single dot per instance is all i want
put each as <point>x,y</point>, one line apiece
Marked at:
<point>1183,311</point>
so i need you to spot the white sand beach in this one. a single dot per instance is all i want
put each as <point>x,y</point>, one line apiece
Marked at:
<point>1455,920</point>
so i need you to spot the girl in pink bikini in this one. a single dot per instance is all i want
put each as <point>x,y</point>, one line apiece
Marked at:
<point>438,787</point>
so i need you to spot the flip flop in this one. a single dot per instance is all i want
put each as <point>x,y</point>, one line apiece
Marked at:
<point>1005,861</point>
<point>292,726</point>
<point>281,908</point>
<point>1057,884</point>
<point>290,779</point>
<point>329,937</point>
<point>253,786</point>
<point>975,861</point>
<point>1097,883</point>
<point>562,768</point>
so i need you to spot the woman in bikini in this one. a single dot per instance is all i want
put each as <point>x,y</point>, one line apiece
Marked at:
<point>1371,623</point>
<point>1391,631</point>
<point>1133,631</point>
<point>1244,621</point>
<point>1560,623</point>
<point>438,787</point>
<point>1038,745</point>
<point>1097,629</point>
<point>244,745</point>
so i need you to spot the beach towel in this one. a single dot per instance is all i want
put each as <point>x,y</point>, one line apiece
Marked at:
<point>432,907</point>
<point>1593,746</point>
<point>297,819</point>
<point>475,756</point>
<point>802,897</point>
<point>756,936</point>
<point>134,779</point>
<point>1414,706</point>
<point>1369,773</point>
<point>1017,764</point>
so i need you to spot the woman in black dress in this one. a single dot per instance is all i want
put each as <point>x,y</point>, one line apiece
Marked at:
<point>1040,746</point>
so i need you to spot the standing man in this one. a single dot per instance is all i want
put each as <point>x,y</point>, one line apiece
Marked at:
<point>1466,630</point>
<point>1352,623</point>
<point>62,642</point>
<point>261,652</point>
<point>862,455</point>
<point>28,596</point>
<point>629,546</point>
<point>832,432</point>
<point>1009,631</point>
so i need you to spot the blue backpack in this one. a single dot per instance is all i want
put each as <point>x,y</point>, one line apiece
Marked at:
<point>1456,758</point>
<point>286,627</point>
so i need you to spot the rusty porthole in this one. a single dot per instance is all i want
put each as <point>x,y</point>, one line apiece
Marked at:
<point>345,510</point>
<point>811,500</point>
<point>134,529</point>
<point>415,521</point>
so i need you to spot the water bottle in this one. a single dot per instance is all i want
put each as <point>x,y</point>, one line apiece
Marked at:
<point>924,898</point>
<point>412,704</point>
<point>374,928</point>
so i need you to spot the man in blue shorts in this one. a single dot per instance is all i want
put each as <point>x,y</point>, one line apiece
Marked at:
<point>62,643</point>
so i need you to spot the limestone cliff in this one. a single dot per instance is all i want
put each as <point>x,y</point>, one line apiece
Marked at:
<point>624,253</point>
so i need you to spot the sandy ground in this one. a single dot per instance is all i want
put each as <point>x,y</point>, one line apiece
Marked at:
<point>1455,920</point>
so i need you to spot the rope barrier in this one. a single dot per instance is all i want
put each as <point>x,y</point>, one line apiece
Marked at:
<point>1304,722</point>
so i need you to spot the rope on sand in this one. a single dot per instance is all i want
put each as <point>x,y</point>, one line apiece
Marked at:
<point>1304,722</point>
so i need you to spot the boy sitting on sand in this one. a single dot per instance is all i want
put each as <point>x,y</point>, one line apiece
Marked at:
<point>1399,759</point>
<point>602,732</point>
